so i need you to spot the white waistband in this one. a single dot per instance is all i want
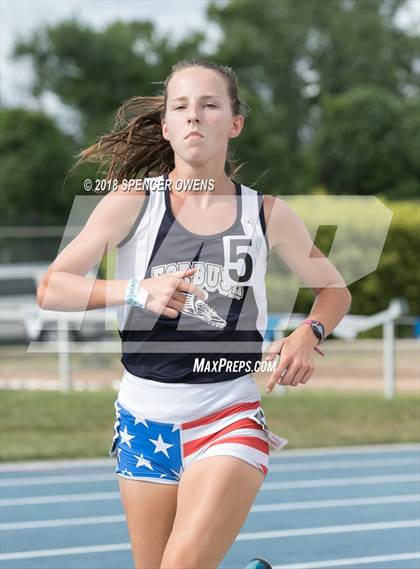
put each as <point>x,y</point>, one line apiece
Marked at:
<point>180,402</point>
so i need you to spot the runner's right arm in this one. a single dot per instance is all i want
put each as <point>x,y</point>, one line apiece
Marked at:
<point>66,287</point>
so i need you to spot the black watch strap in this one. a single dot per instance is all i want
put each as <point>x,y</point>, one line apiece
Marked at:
<point>318,329</point>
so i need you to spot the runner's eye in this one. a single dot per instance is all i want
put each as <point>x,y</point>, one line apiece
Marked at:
<point>206,105</point>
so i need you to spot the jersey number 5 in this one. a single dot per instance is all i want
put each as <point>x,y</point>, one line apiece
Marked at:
<point>238,263</point>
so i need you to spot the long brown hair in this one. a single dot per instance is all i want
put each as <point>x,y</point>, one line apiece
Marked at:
<point>136,148</point>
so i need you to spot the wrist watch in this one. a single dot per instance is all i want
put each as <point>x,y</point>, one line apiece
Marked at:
<point>317,328</point>
<point>135,295</point>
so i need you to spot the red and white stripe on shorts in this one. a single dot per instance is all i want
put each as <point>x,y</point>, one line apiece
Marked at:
<point>234,430</point>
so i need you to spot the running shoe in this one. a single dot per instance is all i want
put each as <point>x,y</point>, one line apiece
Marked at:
<point>259,563</point>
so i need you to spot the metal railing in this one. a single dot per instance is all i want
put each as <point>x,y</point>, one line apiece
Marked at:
<point>64,322</point>
<point>349,328</point>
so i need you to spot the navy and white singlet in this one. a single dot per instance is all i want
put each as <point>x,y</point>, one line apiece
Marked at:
<point>231,267</point>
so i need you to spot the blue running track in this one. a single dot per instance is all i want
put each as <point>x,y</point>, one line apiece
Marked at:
<point>352,507</point>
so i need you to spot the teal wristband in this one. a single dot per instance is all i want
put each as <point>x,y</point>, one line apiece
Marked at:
<point>131,291</point>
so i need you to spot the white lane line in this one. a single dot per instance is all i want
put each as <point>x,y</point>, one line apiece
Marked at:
<point>67,479</point>
<point>356,481</point>
<point>60,499</point>
<point>36,524</point>
<point>109,477</point>
<point>56,464</point>
<point>285,485</point>
<point>352,561</point>
<point>331,464</point>
<point>350,449</point>
<point>319,504</point>
<point>283,454</point>
<point>241,537</point>
<point>64,551</point>
<point>377,526</point>
<point>302,505</point>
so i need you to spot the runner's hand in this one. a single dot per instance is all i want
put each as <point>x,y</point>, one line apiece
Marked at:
<point>296,364</point>
<point>167,293</point>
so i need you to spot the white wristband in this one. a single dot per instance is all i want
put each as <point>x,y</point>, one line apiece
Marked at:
<point>135,295</point>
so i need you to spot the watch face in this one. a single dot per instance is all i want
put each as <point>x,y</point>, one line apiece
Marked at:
<point>318,329</point>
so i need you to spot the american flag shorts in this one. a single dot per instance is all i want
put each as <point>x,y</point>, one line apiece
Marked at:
<point>160,452</point>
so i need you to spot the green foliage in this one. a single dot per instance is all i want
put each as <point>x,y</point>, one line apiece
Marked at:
<point>290,56</point>
<point>34,155</point>
<point>334,99</point>
<point>94,71</point>
<point>397,273</point>
<point>355,43</point>
<point>366,143</point>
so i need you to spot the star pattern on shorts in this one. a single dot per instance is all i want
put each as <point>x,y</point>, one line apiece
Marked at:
<point>160,445</point>
<point>141,461</point>
<point>153,448</point>
<point>138,420</point>
<point>126,437</point>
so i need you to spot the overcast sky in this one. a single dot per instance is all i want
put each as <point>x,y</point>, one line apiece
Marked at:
<point>19,18</point>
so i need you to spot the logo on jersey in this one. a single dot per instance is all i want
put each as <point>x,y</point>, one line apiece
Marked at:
<point>199,309</point>
<point>210,276</point>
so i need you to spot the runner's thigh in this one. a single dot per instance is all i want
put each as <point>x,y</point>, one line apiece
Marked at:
<point>150,510</point>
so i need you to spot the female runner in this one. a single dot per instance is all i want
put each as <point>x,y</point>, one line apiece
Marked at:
<point>190,436</point>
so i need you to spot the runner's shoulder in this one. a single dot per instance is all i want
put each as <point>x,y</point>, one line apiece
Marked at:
<point>118,210</point>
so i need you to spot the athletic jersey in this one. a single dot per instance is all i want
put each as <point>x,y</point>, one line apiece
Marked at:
<point>231,267</point>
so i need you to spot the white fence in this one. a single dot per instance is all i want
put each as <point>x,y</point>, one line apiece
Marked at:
<point>64,322</point>
<point>349,328</point>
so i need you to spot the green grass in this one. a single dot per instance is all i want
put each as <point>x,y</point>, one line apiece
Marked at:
<point>37,425</point>
<point>325,418</point>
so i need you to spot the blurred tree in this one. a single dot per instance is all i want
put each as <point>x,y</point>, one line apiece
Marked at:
<point>366,144</point>
<point>95,71</point>
<point>290,56</point>
<point>34,154</point>
<point>353,43</point>
<point>263,41</point>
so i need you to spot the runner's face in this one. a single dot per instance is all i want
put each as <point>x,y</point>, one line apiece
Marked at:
<point>198,100</point>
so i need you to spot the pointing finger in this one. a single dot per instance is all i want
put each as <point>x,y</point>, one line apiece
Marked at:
<point>192,288</point>
<point>185,273</point>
